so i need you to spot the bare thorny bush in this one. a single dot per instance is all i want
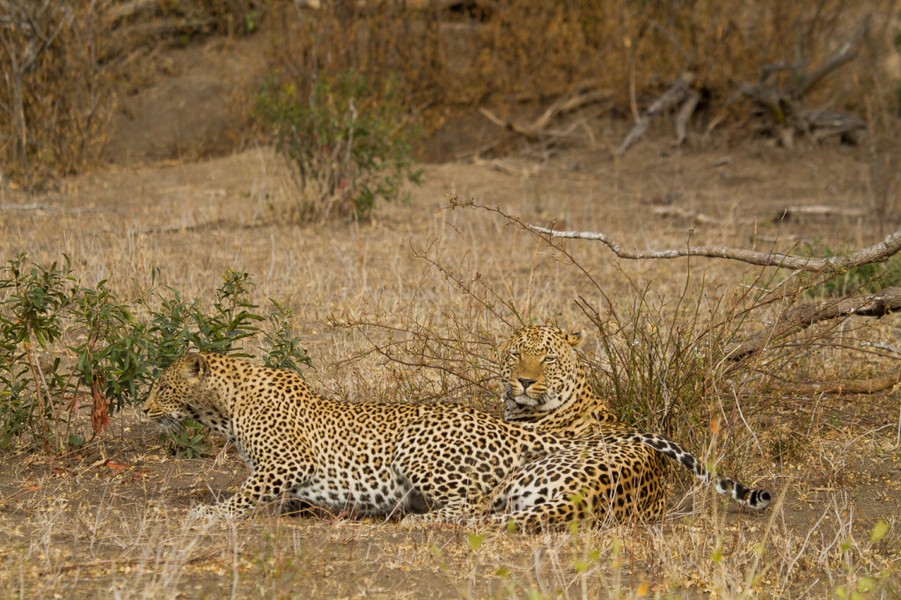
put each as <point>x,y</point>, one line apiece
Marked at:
<point>668,364</point>
<point>56,97</point>
<point>66,62</point>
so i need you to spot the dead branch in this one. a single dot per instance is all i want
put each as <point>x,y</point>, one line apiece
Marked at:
<point>845,54</point>
<point>880,304</point>
<point>669,212</point>
<point>875,253</point>
<point>818,210</point>
<point>870,385</point>
<point>784,104</point>
<point>678,93</point>
<point>688,109</point>
<point>566,104</point>
<point>786,214</point>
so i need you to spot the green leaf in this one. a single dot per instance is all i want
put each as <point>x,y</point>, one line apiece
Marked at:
<point>475,540</point>
<point>879,531</point>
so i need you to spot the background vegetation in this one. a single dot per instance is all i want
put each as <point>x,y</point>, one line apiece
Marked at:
<point>67,64</point>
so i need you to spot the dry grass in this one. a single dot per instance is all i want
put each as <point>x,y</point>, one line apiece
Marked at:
<point>379,305</point>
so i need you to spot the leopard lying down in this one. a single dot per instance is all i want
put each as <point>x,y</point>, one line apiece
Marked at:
<point>431,462</point>
<point>547,386</point>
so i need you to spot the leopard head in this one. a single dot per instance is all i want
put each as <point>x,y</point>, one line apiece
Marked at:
<point>541,370</point>
<point>182,392</point>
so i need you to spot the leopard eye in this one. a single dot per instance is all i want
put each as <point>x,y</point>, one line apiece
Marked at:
<point>550,359</point>
<point>514,356</point>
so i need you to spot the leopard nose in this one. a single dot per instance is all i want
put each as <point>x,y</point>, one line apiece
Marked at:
<point>525,383</point>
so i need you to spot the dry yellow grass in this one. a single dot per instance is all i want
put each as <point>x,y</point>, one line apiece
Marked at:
<point>81,526</point>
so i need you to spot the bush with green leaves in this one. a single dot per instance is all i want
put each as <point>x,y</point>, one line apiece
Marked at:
<point>348,142</point>
<point>867,278</point>
<point>61,342</point>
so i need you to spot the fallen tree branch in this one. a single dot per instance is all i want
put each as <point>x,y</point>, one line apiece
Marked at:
<point>563,105</point>
<point>784,103</point>
<point>685,113</point>
<point>787,213</point>
<point>871,385</point>
<point>818,210</point>
<point>679,92</point>
<point>846,53</point>
<point>875,253</point>
<point>880,304</point>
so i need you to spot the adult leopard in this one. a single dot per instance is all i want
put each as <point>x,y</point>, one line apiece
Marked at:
<point>546,385</point>
<point>433,462</point>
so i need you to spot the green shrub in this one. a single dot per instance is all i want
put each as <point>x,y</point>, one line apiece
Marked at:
<point>30,322</point>
<point>348,143</point>
<point>870,277</point>
<point>61,342</point>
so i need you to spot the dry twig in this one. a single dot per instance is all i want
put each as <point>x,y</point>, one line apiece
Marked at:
<point>680,92</point>
<point>564,105</point>
<point>875,253</point>
<point>880,304</point>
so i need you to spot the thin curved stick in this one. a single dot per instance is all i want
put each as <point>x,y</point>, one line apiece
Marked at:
<point>875,253</point>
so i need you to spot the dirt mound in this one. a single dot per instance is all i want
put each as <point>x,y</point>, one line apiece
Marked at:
<point>193,108</point>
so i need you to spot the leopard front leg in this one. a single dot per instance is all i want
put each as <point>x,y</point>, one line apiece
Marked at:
<point>264,485</point>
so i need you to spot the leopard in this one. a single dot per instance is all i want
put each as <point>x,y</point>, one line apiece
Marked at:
<point>546,384</point>
<point>420,462</point>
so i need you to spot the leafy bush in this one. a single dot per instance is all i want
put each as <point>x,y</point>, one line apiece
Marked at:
<point>349,143</point>
<point>61,342</point>
<point>189,442</point>
<point>870,277</point>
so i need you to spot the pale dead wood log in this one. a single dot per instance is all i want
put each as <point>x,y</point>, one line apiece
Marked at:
<point>870,385</point>
<point>875,253</point>
<point>694,216</point>
<point>688,109</point>
<point>787,213</point>
<point>819,210</point>
<point>784,104</point>
<point>674,95</point>
<point>563,105</point>
<point>884,302</point>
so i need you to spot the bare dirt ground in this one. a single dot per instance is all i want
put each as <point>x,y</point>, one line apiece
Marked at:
<point>111,518</point>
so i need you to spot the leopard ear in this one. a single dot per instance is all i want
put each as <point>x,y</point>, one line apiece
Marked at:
<point>195,367</point>
<point>574,338</point>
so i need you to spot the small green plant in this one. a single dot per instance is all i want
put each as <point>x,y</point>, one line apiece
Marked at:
<point>30,322</point>
<point>189,442</point>
<point>348,142</point>
<point>110,356</point>
<point>283,349</point>
<point>870,277</point>
<point>177,324</point>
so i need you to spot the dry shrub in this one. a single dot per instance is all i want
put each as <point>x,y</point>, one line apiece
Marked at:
<point>56,93</point>
<point>525,51</point>
<point>383,41</point>
<point>63,63</point>
<point>543,49</point>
